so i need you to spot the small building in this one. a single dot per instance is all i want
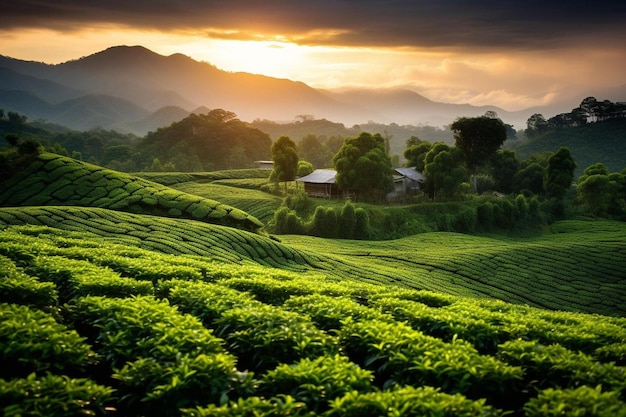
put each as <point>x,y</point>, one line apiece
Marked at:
<point>411,180</point>
<point>320,183</point>
<point>265,164</point>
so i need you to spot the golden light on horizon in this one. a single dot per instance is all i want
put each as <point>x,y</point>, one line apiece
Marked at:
<point>510,79</point>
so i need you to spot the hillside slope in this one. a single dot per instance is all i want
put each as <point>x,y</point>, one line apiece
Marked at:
<point>54,180</point>
<point>91,324</point>
<point>603,142</point>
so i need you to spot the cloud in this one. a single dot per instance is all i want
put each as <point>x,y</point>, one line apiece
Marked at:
<point>530,24</point>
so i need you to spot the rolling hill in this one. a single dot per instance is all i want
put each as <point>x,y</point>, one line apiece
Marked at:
<point>117,297</point>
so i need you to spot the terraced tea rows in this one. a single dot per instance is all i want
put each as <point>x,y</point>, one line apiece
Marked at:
<point>259,204</point>
<point>178,334</point>
<point>167,236</point>
<point>54,180</point>
<point>577,269</point>
<point>552,271</point>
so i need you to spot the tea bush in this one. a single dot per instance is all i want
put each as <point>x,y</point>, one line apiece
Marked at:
<point>316,382</point>
<point>33,341</point>
<point>54,395</point>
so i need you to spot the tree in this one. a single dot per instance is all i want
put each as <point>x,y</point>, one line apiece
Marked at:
<point>559,174</point>
<point>285,157</point>
<point>536,125</point>
<point>444,170</point>
<point>12,139</point>
<point>478,138</point>
<point>416,152</point>
<point>503,166</point>
<point>311,149</point>
<point>594,193</point>
<point>304,168</point>
<point>364,167</point>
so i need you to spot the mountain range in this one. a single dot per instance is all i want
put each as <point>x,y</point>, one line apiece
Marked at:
<point>132,89</point>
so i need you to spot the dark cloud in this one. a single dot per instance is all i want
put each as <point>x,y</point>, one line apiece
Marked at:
<point>528,24</point>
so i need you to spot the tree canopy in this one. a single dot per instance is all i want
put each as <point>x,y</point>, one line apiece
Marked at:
<point>285,157</point>
<point>363,166</point>
<point>215,140</point>
<point>559,174</point>
<point>478,138</point>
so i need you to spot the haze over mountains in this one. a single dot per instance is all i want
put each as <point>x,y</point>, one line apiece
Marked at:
<point>132,89</point>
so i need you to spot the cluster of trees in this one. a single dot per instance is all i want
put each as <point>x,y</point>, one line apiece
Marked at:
<point>448,168</point>
<point>206,142</point>
<point>590,111</point>
<point>602,193</point>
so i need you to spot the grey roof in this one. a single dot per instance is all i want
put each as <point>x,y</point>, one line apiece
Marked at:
<point>411,174</point>
<point>320,176</point>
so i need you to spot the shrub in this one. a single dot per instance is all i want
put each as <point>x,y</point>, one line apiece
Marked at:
<point>317,382</point>
<point>264,336</point>
<point>579,402</point>
<point>362,229</point>
<point>32,341</point>
<point>16,287</point>
<point>157,388</point>
<point>53,395</point>
<point>281,406</point>
<point>410,402</point>
<point>399,355</point>
<point>324,222</point>
<point>347,221</point>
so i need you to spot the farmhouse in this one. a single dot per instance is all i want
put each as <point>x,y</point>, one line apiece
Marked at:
<point>321,183</point>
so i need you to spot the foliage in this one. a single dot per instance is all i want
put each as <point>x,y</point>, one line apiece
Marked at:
<point>415,153</point>
<point>56,180</point>
<point>316,382</point>
<point>503,166</point>
<point>410,402</point>
<point>216,140</point>
<point>33,341</point>
<point>53,395</point>
<point>285,157</point>
<point>602,194</point>
<point>559,174</point>
<point>335,327</point>
<point>364,167</point>
<point>579,402</point>
<point>304,168</point>
<point>478,138</point>
<point>444,171</point>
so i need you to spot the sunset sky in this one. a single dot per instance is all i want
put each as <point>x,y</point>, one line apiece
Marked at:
<point>513,54</point>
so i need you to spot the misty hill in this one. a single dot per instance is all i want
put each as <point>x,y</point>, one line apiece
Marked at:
<point>153,82</point>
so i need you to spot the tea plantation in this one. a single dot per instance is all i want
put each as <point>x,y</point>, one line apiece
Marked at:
<point>126,308</point>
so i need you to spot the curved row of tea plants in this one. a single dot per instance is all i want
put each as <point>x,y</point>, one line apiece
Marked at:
<point>580,266</point>
<point>247,198</point>
<point>167,335</point>
<point>54,180</point>
<point>170,236</point>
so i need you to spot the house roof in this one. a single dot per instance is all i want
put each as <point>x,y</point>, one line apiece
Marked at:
<point>320,176</point>
<point>411,174</point>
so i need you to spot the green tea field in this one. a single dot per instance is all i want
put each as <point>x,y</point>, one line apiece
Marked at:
<point>155,305</point>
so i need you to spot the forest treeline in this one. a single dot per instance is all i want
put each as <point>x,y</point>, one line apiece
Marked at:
<point>218,140</point>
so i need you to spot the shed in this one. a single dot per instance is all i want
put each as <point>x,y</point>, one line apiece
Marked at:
<point>411,180</point>
<point>265,164</point>
<point>320,183</point>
